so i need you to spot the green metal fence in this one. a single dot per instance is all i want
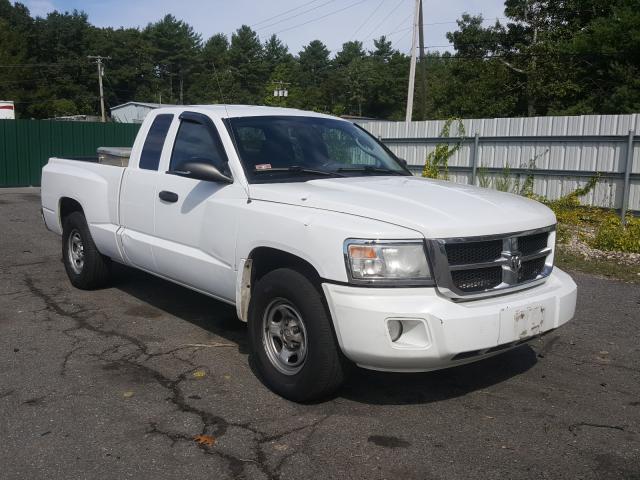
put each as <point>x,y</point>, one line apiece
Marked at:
<point>26,145</point>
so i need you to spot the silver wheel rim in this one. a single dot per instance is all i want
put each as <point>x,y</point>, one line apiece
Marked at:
<point>284,336</point>
<point>75,251</point>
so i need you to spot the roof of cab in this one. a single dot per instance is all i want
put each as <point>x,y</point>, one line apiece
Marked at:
<point>233,111</point>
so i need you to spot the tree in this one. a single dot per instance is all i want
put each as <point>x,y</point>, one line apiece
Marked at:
<point>212,77</point>
<point>388,81</point>
<point>174,50</point>
<point>131,71</point>
<point>246,66</point>
<point>548,57</point>
<point>275,53</point>
<point>312,72</point>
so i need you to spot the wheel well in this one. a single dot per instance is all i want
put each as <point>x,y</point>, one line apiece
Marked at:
<point>67,207</point>
<point>263,260</point>
<point>266,259</point>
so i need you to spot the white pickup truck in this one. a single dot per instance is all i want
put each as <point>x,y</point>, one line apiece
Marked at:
<point>322,239</point>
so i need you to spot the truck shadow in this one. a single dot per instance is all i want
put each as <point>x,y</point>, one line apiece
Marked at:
<point>383,388</point>
<point>363,386</point>
<point>205,312</point>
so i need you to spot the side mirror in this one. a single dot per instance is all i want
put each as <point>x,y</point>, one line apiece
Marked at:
<point>201,170</point>
<point>403,162</point>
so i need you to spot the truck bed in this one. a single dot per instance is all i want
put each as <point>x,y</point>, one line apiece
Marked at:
<point>97,184</point>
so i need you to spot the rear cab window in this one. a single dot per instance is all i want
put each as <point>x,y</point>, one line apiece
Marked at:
<point>153,144</point>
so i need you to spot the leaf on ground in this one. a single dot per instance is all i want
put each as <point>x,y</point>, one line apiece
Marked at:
<point>128,394</point>
<point>207,440</point>
<point>199,374</point>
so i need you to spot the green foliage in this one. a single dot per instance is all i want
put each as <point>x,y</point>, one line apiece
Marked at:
<point>569,213</point>
<point>436,164</point>
<point>612,235</point>
<point>503,182</point>
<point>571,201</point>
<point>569,57</point>
<point>484,180</point>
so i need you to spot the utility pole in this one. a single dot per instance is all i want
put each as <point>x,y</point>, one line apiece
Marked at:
<point>414,47</point>
<point>98,59</point>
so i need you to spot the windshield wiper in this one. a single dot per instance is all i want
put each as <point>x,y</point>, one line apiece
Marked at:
<point>298,169</point>
<point>371,169</point>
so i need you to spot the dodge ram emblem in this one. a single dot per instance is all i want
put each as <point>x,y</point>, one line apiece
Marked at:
<point>515,262</point>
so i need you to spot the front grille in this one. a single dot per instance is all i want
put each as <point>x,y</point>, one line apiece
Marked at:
<point>470,266</point>
<point>478,279</point>
<point>473,252</point>
<point>532,243</point>
<point>531,269</point>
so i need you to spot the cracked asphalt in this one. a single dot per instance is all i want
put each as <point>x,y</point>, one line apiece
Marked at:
<point>121,382</point>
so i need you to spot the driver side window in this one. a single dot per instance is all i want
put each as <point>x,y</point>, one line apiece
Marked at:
<point>197,142</point>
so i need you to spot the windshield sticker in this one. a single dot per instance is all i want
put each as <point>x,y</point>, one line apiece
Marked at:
<point>263,166</point>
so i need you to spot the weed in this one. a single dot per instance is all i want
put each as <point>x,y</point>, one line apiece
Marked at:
<point>437,162</point>
<point>613,235</point>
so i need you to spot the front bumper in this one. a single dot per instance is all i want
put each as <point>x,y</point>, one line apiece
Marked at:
<point>440,333</point>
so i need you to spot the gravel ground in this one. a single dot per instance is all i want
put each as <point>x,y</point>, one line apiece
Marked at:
<point>118,383</point>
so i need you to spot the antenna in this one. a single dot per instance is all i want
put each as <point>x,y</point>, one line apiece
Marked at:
<point>229,127</point>
<point>224,102</point>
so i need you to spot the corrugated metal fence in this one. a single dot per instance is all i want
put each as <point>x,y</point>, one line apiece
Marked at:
<point>26,145</point>
<point>566,151</point>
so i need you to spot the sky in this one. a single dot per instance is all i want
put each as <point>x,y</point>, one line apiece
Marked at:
<point>331,21</point>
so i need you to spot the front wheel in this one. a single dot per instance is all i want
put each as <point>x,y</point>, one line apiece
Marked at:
<point>292,341</point>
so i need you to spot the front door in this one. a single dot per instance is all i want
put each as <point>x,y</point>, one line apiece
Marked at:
<point>195,221</point>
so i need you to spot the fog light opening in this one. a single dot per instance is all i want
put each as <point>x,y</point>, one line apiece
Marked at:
<point>395,329</point>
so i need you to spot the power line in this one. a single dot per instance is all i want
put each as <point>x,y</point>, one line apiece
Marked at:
<point>41,65</point>
<point>296,15</point>
<point>323,16</point>
<point>402,22</point>
<point>284,13</point>
<point>368,18</point>
<point>386,17</point>
<point>398,30</point>
<point>407,32</point>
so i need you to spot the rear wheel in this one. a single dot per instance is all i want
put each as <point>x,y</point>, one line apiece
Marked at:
<point>86,267</point>
<point>292,341</point>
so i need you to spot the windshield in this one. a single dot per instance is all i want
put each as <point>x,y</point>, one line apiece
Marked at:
<point>284,149</point>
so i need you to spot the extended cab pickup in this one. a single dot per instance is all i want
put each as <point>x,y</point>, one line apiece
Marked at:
<point>322,239</point>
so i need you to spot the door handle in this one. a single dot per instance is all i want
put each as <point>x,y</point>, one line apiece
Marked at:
<point>168,196</point>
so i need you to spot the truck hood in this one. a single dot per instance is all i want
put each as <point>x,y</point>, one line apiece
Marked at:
<point>435,208</point>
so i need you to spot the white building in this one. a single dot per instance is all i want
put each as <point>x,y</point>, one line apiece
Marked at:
<point>7,110</point>
<point>134,112</point>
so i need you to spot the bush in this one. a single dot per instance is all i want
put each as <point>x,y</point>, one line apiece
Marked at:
<point>612,235</point>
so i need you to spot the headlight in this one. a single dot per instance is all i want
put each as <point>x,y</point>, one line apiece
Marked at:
<point>394,262</point>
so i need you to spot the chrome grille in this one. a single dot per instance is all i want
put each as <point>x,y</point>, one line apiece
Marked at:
<point>531,269</point>
<point>480,266</point>
<point>480,279</point>
<point>473,252</point>
<point>532,243</point>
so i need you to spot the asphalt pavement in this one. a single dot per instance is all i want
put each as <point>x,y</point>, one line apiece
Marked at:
<point>146,379</point>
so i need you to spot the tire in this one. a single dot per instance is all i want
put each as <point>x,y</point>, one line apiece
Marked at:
<point>86,267</point>
<point>318,368</point>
